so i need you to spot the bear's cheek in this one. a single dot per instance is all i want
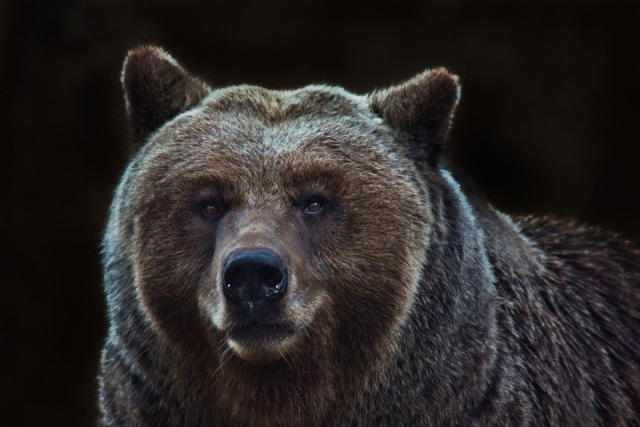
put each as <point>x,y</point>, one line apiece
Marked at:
<point>171,266</point>
<point>371,272</point>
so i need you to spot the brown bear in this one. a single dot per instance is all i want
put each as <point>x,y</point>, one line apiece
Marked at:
<point>307,258</point>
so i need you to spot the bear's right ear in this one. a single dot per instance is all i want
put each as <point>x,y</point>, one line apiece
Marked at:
<point>156,90</point>
<point>422,109</point>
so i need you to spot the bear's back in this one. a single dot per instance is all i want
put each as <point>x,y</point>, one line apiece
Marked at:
<point>576,320</point>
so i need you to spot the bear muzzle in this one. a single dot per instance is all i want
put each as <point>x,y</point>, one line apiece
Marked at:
<point>254,282</point>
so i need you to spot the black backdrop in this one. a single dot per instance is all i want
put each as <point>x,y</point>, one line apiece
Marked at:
<point>547,124</point>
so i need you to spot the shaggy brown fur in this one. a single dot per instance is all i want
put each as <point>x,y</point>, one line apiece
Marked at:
<point>402,297</point>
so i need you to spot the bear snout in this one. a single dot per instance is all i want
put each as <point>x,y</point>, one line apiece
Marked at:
<point>254,283</point>
<point>253,278</point>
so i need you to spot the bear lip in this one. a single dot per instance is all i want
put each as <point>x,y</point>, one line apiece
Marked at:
<point>259,333</point>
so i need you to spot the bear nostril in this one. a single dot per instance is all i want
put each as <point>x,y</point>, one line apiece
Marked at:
<point>252,276</point>
<point>269,275</point>
<point>235,280</point>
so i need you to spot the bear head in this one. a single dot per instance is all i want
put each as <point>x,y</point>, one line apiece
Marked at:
<point>277,235</point>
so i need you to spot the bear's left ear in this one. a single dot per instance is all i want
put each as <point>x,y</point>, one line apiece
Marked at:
<point>422,108</point>
<point>156,90</point>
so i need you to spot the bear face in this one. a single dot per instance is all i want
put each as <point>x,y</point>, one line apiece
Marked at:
<point>253,171</point>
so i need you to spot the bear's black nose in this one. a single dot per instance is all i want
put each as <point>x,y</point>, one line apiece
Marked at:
<point>254,276</point>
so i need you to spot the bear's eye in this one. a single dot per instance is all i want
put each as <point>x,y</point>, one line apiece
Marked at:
<point>314,205</point>
<point>210,209</point>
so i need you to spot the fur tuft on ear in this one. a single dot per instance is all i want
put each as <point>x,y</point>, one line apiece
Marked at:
<point>422,108</point>
<point>156,90</point>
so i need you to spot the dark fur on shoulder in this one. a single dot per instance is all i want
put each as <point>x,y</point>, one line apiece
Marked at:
<point>290,258</point>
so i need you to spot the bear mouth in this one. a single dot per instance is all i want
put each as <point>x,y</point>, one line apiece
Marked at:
<point>259,334</point>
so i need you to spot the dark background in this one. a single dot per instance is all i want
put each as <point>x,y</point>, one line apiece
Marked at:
<point>547,124</point>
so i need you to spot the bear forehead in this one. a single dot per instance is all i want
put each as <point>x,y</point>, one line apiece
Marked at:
<point>253,138</point>
<point>263,124</point>
<point>241,117</point>
<point>276,106</point>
